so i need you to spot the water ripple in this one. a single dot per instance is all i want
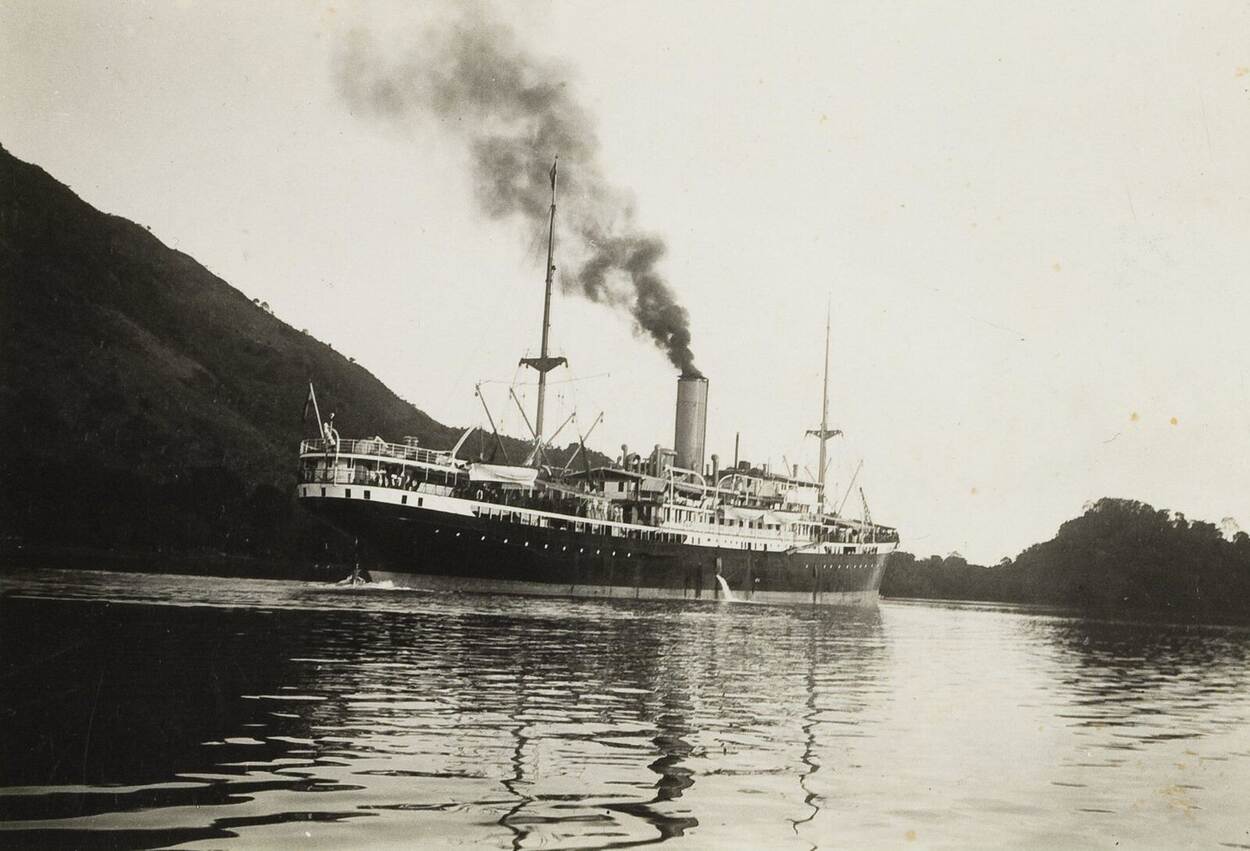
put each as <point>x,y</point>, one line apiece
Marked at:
<point>151,711</point>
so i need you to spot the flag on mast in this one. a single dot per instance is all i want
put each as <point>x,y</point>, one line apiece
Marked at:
<point>554,163</point>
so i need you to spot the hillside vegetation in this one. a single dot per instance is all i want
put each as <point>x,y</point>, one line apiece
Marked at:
<point>1119,555</point>
<point>145,404</point>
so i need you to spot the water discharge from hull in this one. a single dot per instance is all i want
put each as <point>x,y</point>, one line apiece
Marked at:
<point>724,586</point>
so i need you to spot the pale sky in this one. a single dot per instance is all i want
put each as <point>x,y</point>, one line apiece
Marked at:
<point>1031,219</point>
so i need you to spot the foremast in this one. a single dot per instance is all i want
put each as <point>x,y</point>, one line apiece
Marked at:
<point>824,433</point>
<point>544,363</point>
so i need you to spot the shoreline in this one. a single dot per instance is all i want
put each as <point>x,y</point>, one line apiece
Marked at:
<point>232,566</point>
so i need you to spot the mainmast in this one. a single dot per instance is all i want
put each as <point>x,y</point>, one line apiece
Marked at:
<point>824,432</point>
<point>544,363</point>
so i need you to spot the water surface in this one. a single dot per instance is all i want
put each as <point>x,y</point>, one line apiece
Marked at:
<point>156,711</point>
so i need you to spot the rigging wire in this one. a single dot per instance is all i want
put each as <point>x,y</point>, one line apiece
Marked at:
<point>570,380</point>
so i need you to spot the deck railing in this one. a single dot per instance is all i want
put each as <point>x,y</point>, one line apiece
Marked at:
<point>376,449</point>
<point>380,449</point>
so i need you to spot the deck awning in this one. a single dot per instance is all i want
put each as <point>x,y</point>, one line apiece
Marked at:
<point>755,515</point>
<point>733,512</point>
<point>803,496</point>
<point>503,474</point>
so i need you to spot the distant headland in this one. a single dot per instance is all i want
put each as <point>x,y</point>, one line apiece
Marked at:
<point>1120,555</point>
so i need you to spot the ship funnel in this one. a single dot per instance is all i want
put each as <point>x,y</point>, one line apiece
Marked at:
<point>691,431</point>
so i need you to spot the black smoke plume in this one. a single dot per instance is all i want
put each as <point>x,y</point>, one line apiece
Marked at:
<point>515,112</point>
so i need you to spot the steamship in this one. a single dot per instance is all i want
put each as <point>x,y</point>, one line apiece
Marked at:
<point>664,525</point>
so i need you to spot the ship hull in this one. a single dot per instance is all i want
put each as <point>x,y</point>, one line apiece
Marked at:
<point>453,552</point>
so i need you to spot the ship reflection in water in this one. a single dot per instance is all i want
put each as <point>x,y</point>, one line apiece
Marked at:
<point>149,711</point>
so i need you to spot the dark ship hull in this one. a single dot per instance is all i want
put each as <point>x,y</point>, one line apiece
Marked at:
<point>453,552</point>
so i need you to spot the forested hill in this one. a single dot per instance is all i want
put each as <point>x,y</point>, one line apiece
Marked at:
<point>146,403</point>
<point>1119,555</point>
